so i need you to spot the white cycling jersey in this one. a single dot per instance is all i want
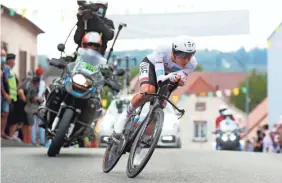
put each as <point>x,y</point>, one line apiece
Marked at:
<point>160,58</point>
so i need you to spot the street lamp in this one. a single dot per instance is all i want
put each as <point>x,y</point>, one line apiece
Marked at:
<point>247,99</point>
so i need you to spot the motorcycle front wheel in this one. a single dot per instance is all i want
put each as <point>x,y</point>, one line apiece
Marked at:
<point>59,138</point>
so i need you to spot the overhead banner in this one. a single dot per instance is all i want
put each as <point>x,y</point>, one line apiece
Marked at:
<point>214,23</point>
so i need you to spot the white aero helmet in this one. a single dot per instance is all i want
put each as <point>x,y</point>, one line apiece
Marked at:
<point>183,47</point>
<point>91,38</point>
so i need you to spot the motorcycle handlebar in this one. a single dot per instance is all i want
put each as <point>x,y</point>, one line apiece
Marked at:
<point>182,111</point>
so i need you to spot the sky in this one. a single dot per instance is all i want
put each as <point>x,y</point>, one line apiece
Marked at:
<point>265,16</point>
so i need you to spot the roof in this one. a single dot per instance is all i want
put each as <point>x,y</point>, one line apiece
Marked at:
<point>6,9</point>
<point>212,81</point>
<point>258,114</point>
<point>219,80</point>
<point>274,32</point>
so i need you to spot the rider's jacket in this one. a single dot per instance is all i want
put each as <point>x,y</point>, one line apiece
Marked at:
<point>160,58</point>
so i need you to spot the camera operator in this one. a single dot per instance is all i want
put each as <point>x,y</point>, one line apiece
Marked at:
<point>94,13</point>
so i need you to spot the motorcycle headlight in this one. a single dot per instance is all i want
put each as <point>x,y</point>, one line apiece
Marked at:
<point>81,80</point>
<point>232,137</point>
<point>224,137</point>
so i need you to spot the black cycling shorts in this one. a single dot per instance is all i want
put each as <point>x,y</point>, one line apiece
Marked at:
<point>147,74</point>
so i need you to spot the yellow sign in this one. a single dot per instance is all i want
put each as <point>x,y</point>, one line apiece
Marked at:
<point>277,29</point>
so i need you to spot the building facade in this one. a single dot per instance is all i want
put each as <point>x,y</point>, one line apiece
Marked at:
<point>19,36</point>
<point>274,88</point>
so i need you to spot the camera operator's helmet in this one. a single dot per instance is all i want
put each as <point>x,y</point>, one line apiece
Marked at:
<point>101,11</point>
<point>91,39</point>
<point>102,2</point>
<point>183,47</point>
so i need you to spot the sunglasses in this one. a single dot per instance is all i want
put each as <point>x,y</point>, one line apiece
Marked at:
<point>180,54</point>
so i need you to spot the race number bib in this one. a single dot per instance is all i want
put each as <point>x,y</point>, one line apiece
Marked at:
<point>88,67</point>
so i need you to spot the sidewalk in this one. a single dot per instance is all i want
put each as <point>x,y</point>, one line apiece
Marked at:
<point>13,143</point>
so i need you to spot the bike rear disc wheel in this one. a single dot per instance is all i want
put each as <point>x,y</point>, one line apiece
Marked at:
<point>133,171</point>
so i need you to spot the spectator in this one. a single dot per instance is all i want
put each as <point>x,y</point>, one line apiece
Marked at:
<point>258,142</point>
<point>279,132</point>
<point>222,108</point>
<point>35,128</point>
<point>5,94</point>
<point>10,61</point>
<point>267,140</point>
<point>31,107</point>
<point>17,116</point>
<point>248,146</point>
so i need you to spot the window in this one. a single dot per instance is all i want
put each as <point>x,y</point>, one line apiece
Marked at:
<point>4,45</point>
<point>200,131</point>
<point>22,65</point>
<point>32,62</point>
<point>200,106</point>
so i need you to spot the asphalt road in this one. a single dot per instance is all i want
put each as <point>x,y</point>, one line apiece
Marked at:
<point>31,165</point>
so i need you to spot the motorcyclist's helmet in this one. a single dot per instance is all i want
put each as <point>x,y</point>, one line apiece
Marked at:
<point>183,47</point>
<point>222,108</point>
<point>91,40</point>
<point>102,7</point>
<point>227,113</point>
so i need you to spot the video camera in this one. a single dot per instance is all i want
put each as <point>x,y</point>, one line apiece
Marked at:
<point>88,9</point>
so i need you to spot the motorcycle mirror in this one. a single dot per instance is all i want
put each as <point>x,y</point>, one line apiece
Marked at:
<point>120,72</point>
<point>61,47</point>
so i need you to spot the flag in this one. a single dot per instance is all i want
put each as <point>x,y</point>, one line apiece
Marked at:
<point>12,12</point>
<point>236,91</point>
<point>23,12</point>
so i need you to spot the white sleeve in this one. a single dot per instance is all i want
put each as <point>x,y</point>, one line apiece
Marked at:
<point>157,58</point>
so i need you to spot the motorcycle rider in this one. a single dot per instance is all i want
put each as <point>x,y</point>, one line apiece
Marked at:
<point>99,23</point>
<point>227,114</point>
<point>221,117</point>
<point>91,40</point>
<point>174,62</point>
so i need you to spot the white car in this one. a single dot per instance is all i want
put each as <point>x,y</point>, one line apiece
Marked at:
<point>170,136</point>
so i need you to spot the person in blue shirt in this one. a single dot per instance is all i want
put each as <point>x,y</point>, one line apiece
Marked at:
<point>5,94</point>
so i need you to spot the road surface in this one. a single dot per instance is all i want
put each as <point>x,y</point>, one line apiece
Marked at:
<point>31,165</point>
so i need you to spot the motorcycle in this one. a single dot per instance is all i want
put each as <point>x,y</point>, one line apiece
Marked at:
<point>140,134</point>
<point>71,100</point>
<point>228,135</point>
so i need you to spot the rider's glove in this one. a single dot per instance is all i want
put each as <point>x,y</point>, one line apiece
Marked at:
<point>173,78</point>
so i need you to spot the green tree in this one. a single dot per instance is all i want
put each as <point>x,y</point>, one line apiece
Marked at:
<point>257,88</point>
<point>199,68</point>
<point>134,72</point>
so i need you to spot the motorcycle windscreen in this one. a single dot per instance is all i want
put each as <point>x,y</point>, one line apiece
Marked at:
<point>87,59</point>
<point>228,125</point>
<point>87,63</point>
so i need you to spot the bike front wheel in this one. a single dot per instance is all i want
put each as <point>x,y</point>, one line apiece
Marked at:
<point>142,139</point>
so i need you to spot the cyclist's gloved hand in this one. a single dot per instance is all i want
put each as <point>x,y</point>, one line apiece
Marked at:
<point>175,78</point>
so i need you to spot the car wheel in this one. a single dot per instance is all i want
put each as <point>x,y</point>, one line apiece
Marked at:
<point>179,145</point>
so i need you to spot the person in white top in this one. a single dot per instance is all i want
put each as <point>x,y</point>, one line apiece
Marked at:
<point>168,62</point>
<point>267,141</point>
